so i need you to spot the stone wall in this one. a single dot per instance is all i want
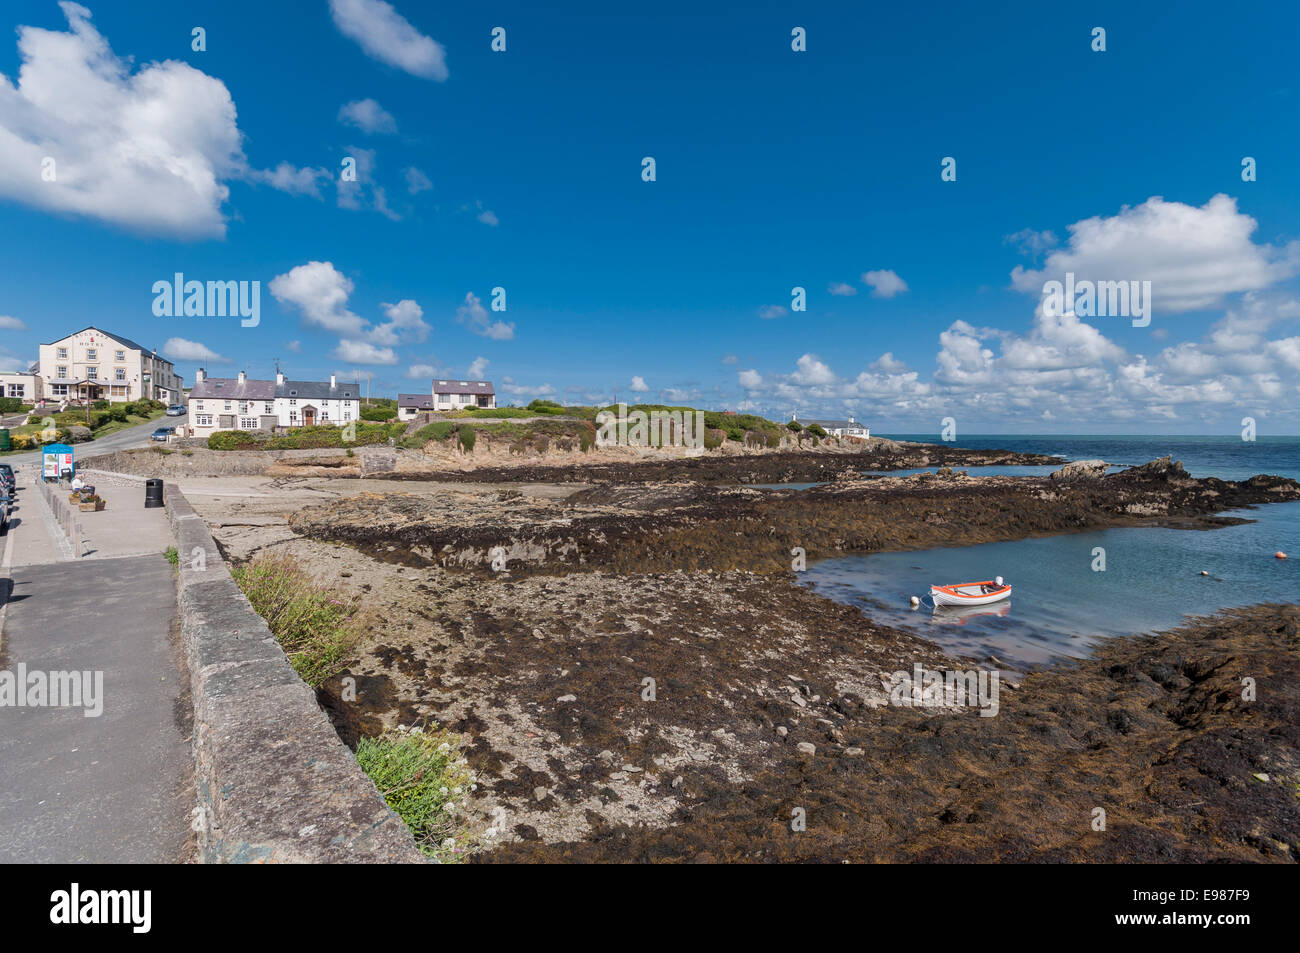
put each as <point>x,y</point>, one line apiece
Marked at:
<point>275,784</point>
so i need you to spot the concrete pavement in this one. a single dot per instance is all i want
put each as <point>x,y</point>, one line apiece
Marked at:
<point>121,440</point>
<point>118,786</point>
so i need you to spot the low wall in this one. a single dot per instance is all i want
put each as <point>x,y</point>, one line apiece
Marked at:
<point>149,462</point>
<point>275,783</point>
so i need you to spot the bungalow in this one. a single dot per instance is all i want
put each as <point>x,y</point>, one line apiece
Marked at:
<point>458,395</point>
<point>410,406</point>
<point>240,403</point>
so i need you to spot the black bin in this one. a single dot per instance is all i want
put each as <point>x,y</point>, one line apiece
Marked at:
<point>153,494</point>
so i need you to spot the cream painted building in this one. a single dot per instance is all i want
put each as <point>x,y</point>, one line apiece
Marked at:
<point>91,364</point>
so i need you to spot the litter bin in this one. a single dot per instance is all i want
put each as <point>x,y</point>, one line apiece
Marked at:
<point>153,494</point>
<point>4,439</point>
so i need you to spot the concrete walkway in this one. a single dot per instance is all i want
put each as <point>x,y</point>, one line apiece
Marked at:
<point>117,787</point>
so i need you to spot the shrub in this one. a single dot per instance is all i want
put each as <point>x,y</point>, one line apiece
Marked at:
<point>817,430</point>
<point>713,438</point>
<point>546,407</point>
<point>425,780</point>
<point>318,631</point>
<point>466,438</point>
<point>378,412</point>
<point>794,426</point>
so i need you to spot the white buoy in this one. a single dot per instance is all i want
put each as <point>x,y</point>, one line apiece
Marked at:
<point>915,602</point>
<point>1204,573</point>
<point>998,580</point>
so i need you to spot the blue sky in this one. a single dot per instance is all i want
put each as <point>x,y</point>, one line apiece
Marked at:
<point>775,169</point>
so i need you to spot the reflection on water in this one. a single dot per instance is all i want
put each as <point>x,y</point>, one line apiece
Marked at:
<point>1062,605</point>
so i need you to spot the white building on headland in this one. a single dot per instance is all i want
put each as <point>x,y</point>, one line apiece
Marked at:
<point>839,428</point>
<point>240,403</point>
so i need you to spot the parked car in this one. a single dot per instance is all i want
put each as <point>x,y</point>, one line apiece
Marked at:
<point>162,433</point>
<point>6,476</point>
<point>177,410</point>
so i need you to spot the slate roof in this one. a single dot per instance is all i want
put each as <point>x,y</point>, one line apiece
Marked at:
<point>418,401</point>
<point>229,388</point>
<point>318,390</point>
<point>463,387</point>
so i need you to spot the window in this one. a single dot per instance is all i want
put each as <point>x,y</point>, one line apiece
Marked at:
<point>227,407</point>
<point>270,408</point>
<point>92,373</point>
<point>119,356</point>
<point>243,406</point>
<point>198,405</point>
<point>292,402</point>
<point>58,390</point>
<point>119,374</point>
<point>92,354</point>
<point>62,354</point>
<point>61,372</point>
<point>247,423</point>
<point>346,416</point>
<point>293,416</point>
<point>16,390</point>
<point>203,420</point>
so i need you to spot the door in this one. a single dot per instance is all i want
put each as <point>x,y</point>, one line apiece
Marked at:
<point>308,416</point>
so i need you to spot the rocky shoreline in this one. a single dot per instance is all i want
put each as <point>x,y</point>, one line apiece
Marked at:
<point>766,701</point>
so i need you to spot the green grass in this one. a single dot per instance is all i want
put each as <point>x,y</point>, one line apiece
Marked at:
<point>423,776</point>
<point>173,556</point>
<point>318,631</point>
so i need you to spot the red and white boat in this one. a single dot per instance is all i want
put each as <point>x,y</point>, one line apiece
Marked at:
<point>970,593</point>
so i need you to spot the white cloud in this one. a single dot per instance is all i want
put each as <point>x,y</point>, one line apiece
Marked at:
<point>179,349</point>
<point>1031,242</point>
<point>474,316</point>
<point>363,352</point>
<point>488,217</point>
<point>405,324</point>
<point>638,385</point>
<point>477,368</point>
<point>421,370</point>
<point>320,292</point>
<point>730,359</point>
<point>811,370</point>
<point>770,311</point>
<point>386,36</point>
<point>9,323</point>
<point>151,150</point>
<point>417,181</point>
<point>841,288</point>
<point>887,364</point>
<point>884,284</point>
<point>1192,256</point>
<point>368,116</point>
<point>750,379</point>
<point>294,346</point>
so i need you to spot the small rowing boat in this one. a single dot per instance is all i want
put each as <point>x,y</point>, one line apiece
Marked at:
<point>970,593</point>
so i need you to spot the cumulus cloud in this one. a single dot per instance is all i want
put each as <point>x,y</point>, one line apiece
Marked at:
<point>179,349</point>
<point>387,36</point>
<point>149,149</point>
<point>320,291</point>
<point>1031,242</point>
<point>405,325</point>
<point>477,368</point>
<point>841,288</point>
<point>10,323</point>
<point>363,352</point>
<point>884,284</point>
<point>638,385</point>
<point>474,316</point>
<point>1193,256</point>
<point>368,116</point>
<point>421,370</point>
<point>750,379</point>
<point>488,217</point>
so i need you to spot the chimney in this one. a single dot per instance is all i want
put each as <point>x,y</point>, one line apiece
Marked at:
<point>279,378</point>
<point>242,377</point>
<point>333,382</point>
<point>200,375</point>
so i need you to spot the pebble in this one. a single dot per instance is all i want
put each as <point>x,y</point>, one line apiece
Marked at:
<point>782,730</point>
<point>567,698</point>
<point>540,793</point>
<point>1262,776</point>
<point>677,781</point>
<point>853,752</point>
<point>806,747</point>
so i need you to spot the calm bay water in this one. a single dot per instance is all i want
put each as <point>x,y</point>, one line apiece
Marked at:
<point>1059,605</point>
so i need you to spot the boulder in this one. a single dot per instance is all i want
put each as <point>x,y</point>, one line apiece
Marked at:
<point>1081,470</point>
<point>79,434</point>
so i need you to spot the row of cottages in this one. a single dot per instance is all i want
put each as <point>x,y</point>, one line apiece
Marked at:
<point>447,396</point>
<point>239,403</point>
<point>92,364</point>
<point>839,428</point>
